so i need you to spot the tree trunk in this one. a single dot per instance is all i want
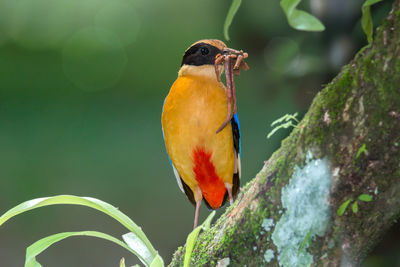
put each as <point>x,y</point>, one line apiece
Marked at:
<point>346,148</point>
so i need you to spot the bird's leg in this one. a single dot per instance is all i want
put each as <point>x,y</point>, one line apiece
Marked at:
<point>198,197</point>
<point>228,76</point>
<point>228,187</point>
<point>196,214</point>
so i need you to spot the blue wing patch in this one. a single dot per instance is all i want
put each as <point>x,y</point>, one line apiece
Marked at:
<point>237,148</point>
<point>236,120</point>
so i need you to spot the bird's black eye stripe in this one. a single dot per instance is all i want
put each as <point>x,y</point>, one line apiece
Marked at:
<point>200,54</point>
<point>204,51</point>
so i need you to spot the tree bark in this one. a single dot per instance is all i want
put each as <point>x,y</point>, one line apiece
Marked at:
<point>346,146</point>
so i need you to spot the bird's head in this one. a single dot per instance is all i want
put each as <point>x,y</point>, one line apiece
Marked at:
<point>200,57</point>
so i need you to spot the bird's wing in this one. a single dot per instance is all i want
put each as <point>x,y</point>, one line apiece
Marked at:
<point>184,187</point>
<point>177,176</point>
<point>237,147</point>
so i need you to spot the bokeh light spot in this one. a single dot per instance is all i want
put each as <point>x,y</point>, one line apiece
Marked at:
<point>281,54</point>
<point>94,59</point>
<point>121,18</point>
<point>40,24</point>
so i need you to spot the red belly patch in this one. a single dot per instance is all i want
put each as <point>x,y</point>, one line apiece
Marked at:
<point>211,186</point>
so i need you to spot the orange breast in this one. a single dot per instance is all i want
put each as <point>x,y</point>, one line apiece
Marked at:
<point>193,111</point>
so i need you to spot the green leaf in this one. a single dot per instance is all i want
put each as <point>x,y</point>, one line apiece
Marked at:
<point>299,19</point>
<point>280,120</point>
<point>366,19</point>
<point>206,224</point>
<point>190,242</point>
<point>122,263</point>
<point>192,238</point>
<point>231,14</point>
<point>157,262</point>
<point>362,149</point>
<point>354,207</point>
<point>92,203</point>
<point>288,123</point>
<point>343,207</point>
<point>365,197</point>
<point>286,117</point>
<point>136,244</point>
<point>39,246</point>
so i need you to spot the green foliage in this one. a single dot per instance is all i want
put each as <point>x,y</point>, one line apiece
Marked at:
<point>343,207</point>
<point>192,238</point>
<point>231,13</point>
<point>122,262</point>
<point>299,19</point>
<point>39,246</point>
<point>135,241</point>
<point>285,121</point>
<point>366,19</point>
<point>362,149</point>
<point>354,207</point>
<point>363,197</point>
<point>303,21</point>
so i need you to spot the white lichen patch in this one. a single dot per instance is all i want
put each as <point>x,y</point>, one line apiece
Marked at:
<point>267,224</point>
<point>307,213</point>
<point>223,262</point>
<point>376,191</point>
<point>268,255</point>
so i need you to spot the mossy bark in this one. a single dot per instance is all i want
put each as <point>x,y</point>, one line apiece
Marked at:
<point>354,122</point>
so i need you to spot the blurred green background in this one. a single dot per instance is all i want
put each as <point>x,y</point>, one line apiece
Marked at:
<point>82,84</point>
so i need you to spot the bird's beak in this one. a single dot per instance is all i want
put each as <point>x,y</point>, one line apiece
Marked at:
<point>230,51</point>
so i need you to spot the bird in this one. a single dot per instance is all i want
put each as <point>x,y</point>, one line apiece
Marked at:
<point>205,161</point>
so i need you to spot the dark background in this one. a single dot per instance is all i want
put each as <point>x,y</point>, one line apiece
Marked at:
<point>82,84</point>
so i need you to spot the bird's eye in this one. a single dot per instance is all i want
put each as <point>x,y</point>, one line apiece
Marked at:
<point>204,51</point>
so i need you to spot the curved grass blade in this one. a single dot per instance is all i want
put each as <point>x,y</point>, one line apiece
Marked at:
<point>190,241</point>
<point>122,262</point>
<point>88,202</point>
<point>39,246</point>
<point>192,238</point>
<point>157,262</point>
<point>366,19</point>
<point>299,19</point>
<point>137,245</point>
<point>305,241</point>
<point>231,14</point>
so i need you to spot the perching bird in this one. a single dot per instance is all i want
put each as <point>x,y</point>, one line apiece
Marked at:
<point>206,163</point>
